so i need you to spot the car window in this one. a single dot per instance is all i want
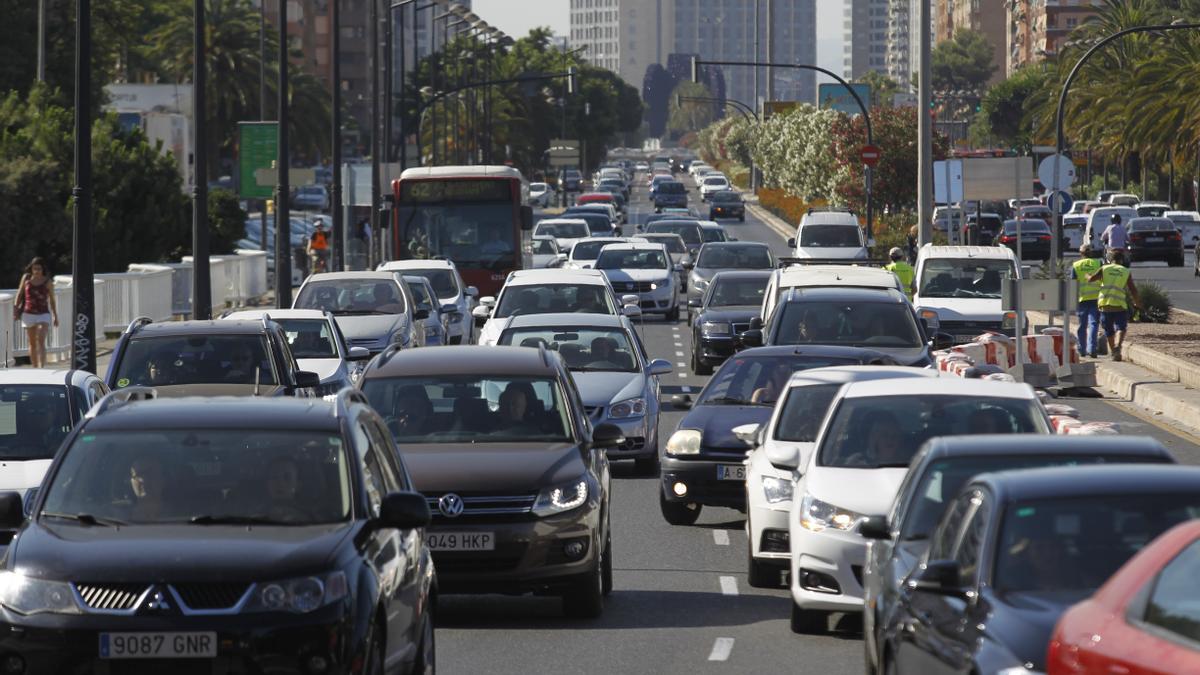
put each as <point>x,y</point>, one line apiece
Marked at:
<point>181,475</point>
<point>544,247</point>
<point>942,546</point>
<point>196,359</point>
<point>759,380</point>
<point>442,280</point>
<point>735,292</point>
<point>1174,604</point>
<point>671,188</point>
<point>554,298</point>
<point>1028,226</point>
<point>352,296</point>
<point>886,431</point>
<point>712,234</point>
<point>735,257</point>
<point>631,259</point>
<point>583,349</point>
<point>372,478</point>
<point>309,338</point>
<point>860,324</point>
<point>470,408</point>
<point>964,277</point>
<point>34,420</point>
<point>673,243</point>
<point>588,250</point>
<point>689,233</point>
<point>969,553</point>
<point>831,236</point>
<point>725,196</point>
<point>562,230</point>
<point>421,298</point>
<point>803,410</point>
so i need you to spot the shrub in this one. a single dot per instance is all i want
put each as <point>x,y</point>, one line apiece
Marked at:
<point>1156,303</point>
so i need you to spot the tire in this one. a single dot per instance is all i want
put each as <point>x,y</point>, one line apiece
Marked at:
<point>807,621</point>
<point>699,367</point>
<point>606,567</point>
<point>760,574</point>
<point>679,513</point>
<point>585,599</point>
<point>425,662</point>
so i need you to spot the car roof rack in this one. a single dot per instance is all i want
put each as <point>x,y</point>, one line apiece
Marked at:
<point>831,209</point>
<point>863,262</point>
<point>345,397</point>
<point>120,397</point>
<point>137,323</point>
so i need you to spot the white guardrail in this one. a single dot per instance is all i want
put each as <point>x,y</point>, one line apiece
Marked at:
<point>160,291</point>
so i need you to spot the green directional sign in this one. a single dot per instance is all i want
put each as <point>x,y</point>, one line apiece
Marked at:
<point>258,148</point>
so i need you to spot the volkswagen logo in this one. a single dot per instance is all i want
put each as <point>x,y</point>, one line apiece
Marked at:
<point>451,505</point>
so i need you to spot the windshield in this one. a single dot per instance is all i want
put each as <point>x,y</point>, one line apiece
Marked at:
<point>737,292</point>
<point>554,298</point>
<point>758,380</point>
<point>942,481</point>
<point>352,296</point>
<point>861,324</point>
<point>538,187</point>
<point>831,236</point>
<point>443,281</point>
<point>689,232</point>
<point>473,235</point>
<point>1183,219</point>
<point>964,277</point>
<point>309,338</point>
<point>671,188</point>
<point>735,258</point>
<point>582,349</point>
<point>715,181</point>
<point>562,230</point>
<point>724,196</point>
<point>470,409</point>
<point>544,247</point>
<point>1076,544</point>
<point>631,259</point>
<point>34,419</point>
<point>203,476</point>
<point>803,411</point>
<point>195,359</point>
<point>712,234</point>
<point>588,250</point>
<point>673,243</point>
<point>1028,226</point>
<point>872,432</point>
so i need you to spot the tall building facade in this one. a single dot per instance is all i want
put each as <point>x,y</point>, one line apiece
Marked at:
<point>624,36</point>
<point>987,17</point>
<point>904,43</point>
<point>1038,28</point>
<point>865,37</point>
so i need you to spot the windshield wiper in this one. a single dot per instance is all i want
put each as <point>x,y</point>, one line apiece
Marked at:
<point>229,519</point>
<point>86,519</point>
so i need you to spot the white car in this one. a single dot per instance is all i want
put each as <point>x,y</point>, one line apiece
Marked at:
<point>809,276</point>
<point>566,230</point>
<point>316,342</point>
<point>541,194</point>
<point>1100,218</point>
<point>959,290</point>
<point>713,183</point>
<point>546,253</point>
<point>829,235</point>
<point>780,447</point>
<point>448,284</point>
<point>583,256</point>
<point>861,455</point>
<point>1124,199</point>
<point>696,167</point>
<point>643,269</point>
<point>1188,223</point>
<point>545,291</point>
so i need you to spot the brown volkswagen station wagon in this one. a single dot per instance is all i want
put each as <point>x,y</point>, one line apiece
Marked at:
<point>498,441</point>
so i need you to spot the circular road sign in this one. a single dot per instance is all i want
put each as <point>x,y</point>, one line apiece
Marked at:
<point>1061,200</point>
<point>870,155</point>
<point>1060,179</point>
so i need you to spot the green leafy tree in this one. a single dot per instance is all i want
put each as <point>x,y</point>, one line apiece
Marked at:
<point>962,63</point>
<point>1005,114</point>
<point>883,88</point>
<point>894,130</point>
<point>685,116</point>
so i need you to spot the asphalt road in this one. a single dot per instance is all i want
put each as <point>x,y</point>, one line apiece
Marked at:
<point>681,603</point>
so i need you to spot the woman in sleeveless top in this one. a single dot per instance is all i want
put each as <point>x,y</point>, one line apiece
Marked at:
<point>37,309</point>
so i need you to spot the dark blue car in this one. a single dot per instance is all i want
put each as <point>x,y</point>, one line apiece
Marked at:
<point>668,194</point>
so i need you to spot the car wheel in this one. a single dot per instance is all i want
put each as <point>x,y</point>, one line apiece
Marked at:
<point>678,513</point>
<point>606,569</point>
<point>699,367</point>
<point>807,621</point>
<point>758,573</point>
<point>585,599</point>
<point>426,661</point>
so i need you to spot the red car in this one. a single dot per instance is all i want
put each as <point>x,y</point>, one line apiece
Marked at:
<point>596,198</point>
<point>1145,619</point>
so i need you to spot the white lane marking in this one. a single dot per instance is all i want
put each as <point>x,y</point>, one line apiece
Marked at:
<point>681,365</point>
<point>721,649</point>
<point>680,354</point>
<point>720,537</point>
<point>686,390</point>
<point>728,586</point>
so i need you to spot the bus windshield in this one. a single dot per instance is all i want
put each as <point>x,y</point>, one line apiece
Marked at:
<point>480,236</point>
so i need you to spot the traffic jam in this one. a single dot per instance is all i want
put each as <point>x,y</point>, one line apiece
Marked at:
<point>409,454</point>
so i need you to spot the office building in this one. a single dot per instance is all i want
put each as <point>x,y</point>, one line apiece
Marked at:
<point>865,38</point>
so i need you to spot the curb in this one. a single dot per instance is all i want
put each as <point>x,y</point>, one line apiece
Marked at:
<point>779,225</point>
<point>1172,400</point>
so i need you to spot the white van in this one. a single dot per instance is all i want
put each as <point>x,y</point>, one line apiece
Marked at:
<point>834,235</point>
<point>959,289</point>
<point>809,276</point>
<point>1100,218</point>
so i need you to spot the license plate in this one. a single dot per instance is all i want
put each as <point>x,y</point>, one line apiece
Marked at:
<point>961,339</point>
<point>1154,240</point>
<point>158,645</point>
<point>461,541</point>
<point>731,472</point>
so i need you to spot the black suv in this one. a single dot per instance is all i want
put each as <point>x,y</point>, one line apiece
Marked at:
<point>223,534</point>
<point>726,204</point>
<point>208,358</point>
<point>500,443</point>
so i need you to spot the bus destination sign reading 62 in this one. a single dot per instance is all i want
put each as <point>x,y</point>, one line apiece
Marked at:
<point>431,191</point>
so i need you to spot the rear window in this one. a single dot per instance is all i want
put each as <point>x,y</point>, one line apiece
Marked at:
<point>1027,226</point>
<point>195,359</point>
<point>672,188</point>
<point>1151,225</point>
<point>831,236</point>
<point>735,257</point>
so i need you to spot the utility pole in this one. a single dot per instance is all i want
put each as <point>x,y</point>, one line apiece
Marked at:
<point>41,38</point>
<point>262,103</point>
<point>201,287</point>
<point>283,221</point>
<point>771,49</point>
<point>335,196</point>
<point>83,334</point>
<point>924,131</point>
<point>373,64</point>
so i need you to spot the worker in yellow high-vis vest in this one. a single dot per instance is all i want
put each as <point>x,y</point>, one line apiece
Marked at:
<point>1116,291</point>
<point>1087,311</point>
<point>903,271</point>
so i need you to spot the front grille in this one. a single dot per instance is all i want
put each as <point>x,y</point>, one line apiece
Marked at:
<point>857,571</point>
<point>112,597</point>
<point>631,286</point>
<point>364,342</point>
<point>488,505</point>
<point>632,444</point>
<point>775,541</point>
<point>454,562</point>
<point>649,304</point>
<point>724,453</point>
<point>210,595</point>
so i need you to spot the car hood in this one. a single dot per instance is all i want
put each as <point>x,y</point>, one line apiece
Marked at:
<point>832,252</point>
<point>601,389</point>
<point>1023,622</point>
<point>50,549</point>
<point>565,245</point>
<point>905,356</point>
<point>370,326</point>
<point>963,309</point>
<point>21,475</point>
<point>181,390</point>
<point>491,468</point>
<point>716,422</point>
<point>637,275</point>
<point>732,314</point>
<point>326,369</point>
<point>867,492</point>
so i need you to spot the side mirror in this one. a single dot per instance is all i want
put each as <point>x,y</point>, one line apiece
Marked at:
<point>784,457</point>
<point>875,527</point>
<point>449,309</point>
<point>682,401</point>
<point>661,367</point>
<point>631,299</point>
<point>472,291</point>
<point>358,354</point>
<point>487,300</point>
<point>747,433</point>
<point>940,577</point>
<point>404,511</point>
<point>756,323</point>
<point>688,265</point>
<point>526,218</point>
<point>943,341</point>
<point>306,379</point>
<point>607,436</point>
<point>631,311</point>
<point>421,314</point>
<point>751,338</point>
<point>791,243</point>
<point>695,302</point>
<point>12,510</point>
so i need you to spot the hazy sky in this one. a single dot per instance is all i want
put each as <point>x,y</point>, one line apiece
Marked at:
<point>517,17</point>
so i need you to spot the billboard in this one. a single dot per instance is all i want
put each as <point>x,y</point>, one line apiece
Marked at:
<point>836,96</point>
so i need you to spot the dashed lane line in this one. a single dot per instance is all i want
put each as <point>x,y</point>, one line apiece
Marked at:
<point>729,586</point>
<point>720,537</point>
<point>721,649</point>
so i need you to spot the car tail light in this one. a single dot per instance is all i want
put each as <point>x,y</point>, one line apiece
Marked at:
<point>1006,239</point>
<point>1044,237</point>
<point>1173,236</point>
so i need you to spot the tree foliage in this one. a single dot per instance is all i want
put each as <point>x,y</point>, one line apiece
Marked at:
<point>894,131</point>
<point>883,88</point>
<point>1005,116</point>
<point>962,63</point>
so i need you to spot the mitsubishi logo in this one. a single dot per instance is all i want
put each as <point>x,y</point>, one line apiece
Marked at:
<point>158,602</point>
<point>451,505</point>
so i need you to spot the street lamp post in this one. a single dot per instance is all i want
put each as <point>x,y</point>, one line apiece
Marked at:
<point>283,223</point>
<point>337,260</point>
<point>201,288</point>
<point>83,323</point>
<point>404,69</point>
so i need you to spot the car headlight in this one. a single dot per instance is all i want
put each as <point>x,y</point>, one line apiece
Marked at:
<point>816,515</point>
<point>561,498</point>
<point>299,596</point>
<point>634,407</point>
<point>777,490</point>
<point>684,442</point>
<point>699,282</point>
<point>714,328</point>
<point>28,595</point>
<point>930,316</point>
<point>1026,669</point>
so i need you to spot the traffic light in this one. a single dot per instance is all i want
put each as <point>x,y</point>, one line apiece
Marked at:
<point>572,80</point>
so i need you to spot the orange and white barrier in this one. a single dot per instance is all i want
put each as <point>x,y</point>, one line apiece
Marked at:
<point>1093,429</point>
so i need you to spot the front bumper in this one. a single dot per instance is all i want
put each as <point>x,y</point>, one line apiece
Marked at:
<point>659,301</point>
<point>640,437</point>
<point>701,479</point>
<point>246,644</point>
<point>836,559</point>
<point>714,350</point>
<point>769,536</point>
<point>727,212</point>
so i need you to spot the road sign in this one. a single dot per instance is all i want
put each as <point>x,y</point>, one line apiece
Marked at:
<point>258,148</point>
<point>835,96</point>
<point>870,155</point>
<point>1065,176</point>
<point>947,181</point>
<point>1063,200</point>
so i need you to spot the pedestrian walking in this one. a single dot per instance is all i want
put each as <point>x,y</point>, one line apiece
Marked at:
<point>1116,290</point>
<point>1087,311</point>
<point>35,308</point>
